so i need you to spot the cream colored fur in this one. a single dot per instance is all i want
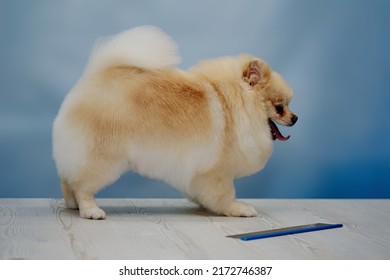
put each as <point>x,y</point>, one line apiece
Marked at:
<point>196,130</point>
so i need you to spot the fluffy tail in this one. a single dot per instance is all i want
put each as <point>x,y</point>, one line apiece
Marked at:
<point>145,47</point>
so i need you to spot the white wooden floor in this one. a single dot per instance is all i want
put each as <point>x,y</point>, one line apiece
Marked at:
<point>177,229</point>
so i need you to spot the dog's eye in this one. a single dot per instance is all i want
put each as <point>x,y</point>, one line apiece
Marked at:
<point>279,109</point>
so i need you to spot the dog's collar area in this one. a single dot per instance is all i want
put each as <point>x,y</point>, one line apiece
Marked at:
<point>275,133</point>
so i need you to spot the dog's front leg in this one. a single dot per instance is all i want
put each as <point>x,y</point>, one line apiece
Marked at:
<point>218,195</point>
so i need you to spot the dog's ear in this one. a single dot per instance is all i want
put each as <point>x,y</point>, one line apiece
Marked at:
<point>256,72</point>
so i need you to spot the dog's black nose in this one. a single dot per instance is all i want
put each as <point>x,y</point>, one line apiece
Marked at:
<point>294,119</point>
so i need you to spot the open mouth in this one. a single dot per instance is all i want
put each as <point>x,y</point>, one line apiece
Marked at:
<point>275,132</point>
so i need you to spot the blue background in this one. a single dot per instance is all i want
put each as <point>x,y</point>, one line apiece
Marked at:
<point>334,54</point>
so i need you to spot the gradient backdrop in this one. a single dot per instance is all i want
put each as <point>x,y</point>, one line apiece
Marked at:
<point>334,54</point>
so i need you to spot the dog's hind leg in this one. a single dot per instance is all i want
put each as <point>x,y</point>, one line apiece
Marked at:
<point>87,205</point>
<point>68,193</point>
<point>96,176</point>
<point>77,198</point>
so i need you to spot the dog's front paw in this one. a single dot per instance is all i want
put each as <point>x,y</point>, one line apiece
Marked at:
<point>93,213</point>
<point>239,209</point>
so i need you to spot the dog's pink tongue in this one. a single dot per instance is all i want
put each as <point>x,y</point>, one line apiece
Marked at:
<point>276,133</point>
<point>280,137</point>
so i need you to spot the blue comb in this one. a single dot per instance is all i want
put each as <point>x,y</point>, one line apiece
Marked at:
<point>284,231</point>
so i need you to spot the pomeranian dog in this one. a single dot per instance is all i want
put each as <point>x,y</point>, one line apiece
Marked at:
<point>197,130</point>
